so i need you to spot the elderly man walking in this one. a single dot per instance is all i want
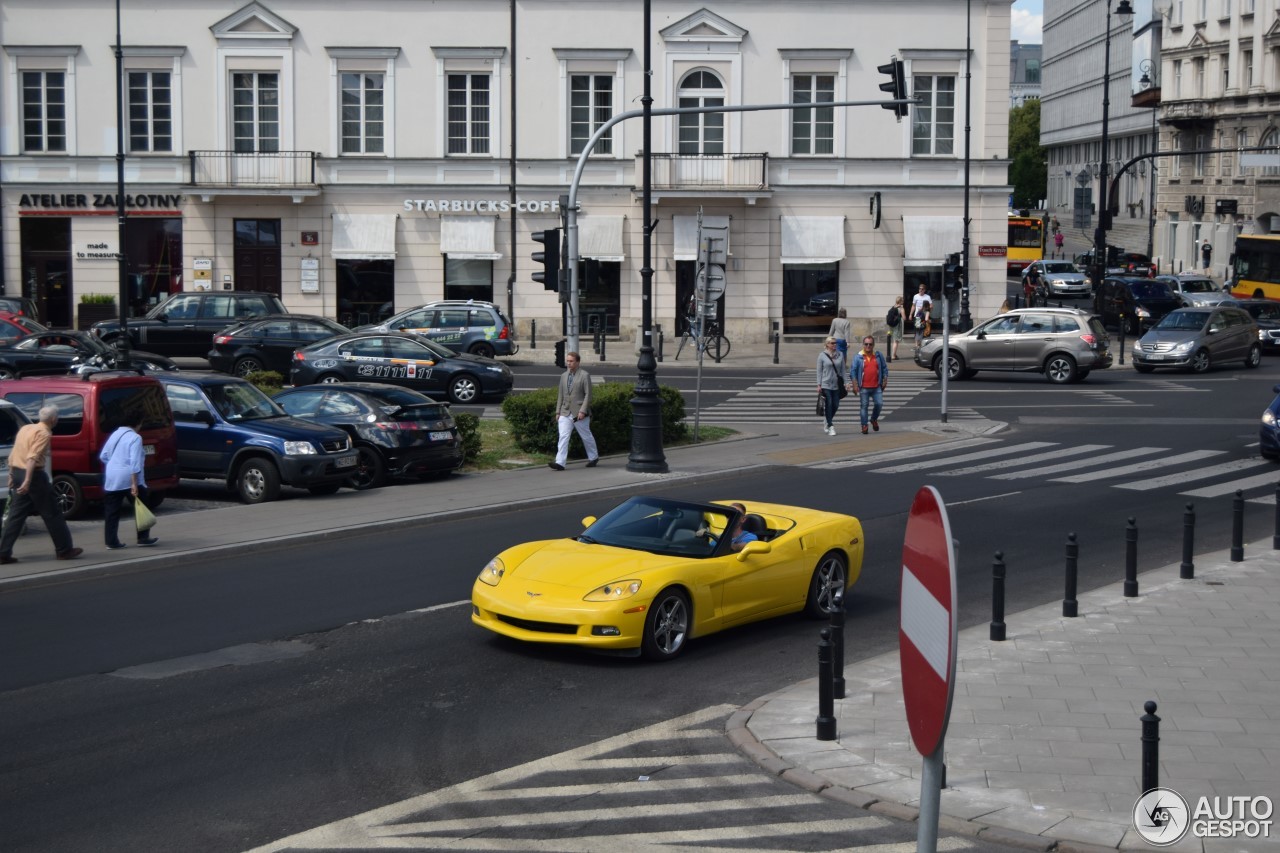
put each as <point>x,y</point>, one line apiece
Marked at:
<point>30,488</point>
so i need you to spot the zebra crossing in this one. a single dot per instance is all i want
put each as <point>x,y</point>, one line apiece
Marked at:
<point>790,399</point>
<point>1194,473</point>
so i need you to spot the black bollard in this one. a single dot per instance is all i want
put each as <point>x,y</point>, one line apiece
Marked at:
<point>826,719</point>
<point>533,334</point>
<point>1069,604</point>
<point>1150,748</point>
<point>1237,527</point>
<point>1275,537</point>
<point>777,339</point>
<point>997,597</point>
<point>1131,559</point>
<point>837,645</point>
<point>659,343</point>
<point>1122,339</point>
<point>603,357</point>
<point>1187,570</point>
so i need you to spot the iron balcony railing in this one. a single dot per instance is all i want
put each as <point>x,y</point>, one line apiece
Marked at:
<point>708,171</point>
<point>253,169</point>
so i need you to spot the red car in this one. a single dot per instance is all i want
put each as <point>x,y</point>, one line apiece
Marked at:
<point>14,326</point>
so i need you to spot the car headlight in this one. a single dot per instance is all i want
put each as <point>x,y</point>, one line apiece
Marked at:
<point>1269,418</point>
<point>493,572</point>
<point>299,448</point>
<point>1184,347</point>
<point>615,591</point>
<point>495,368</point>
<point>1262,334</point>
<point>1142,312</point>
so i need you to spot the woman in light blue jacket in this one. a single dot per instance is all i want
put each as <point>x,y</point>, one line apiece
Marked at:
<point>831,373</point>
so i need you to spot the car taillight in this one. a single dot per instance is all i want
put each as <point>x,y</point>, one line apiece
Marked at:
<point>505,333</point>
<point>298,356</point>
<point>404,426</point>
<point>222,339</point>
<point>1091,340</point>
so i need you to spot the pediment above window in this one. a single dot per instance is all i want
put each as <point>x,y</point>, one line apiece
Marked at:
<point>701,27</point>
<point>254,21</point>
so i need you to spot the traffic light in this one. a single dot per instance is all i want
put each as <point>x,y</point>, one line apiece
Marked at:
<point>952,275</point>
<point>896,86</point>
<point>549,258</point>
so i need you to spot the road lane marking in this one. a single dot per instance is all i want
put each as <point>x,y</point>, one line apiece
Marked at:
<point>966,457</point>
<point>1194,474</point>
<point>1025,460</point>
<point>1118,456</point>
<point>1138,467</point>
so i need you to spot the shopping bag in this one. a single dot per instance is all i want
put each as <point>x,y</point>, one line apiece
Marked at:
<point>821,409</point>
<point>143,517</point>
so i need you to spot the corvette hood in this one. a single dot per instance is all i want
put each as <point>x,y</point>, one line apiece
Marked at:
<point>569,563</point>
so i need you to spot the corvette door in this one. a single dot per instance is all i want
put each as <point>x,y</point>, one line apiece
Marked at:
<point>763,584</point>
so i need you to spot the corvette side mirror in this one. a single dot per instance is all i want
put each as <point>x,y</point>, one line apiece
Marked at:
<point>588,521</point>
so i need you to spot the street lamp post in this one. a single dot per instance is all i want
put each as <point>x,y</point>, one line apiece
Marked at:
<point>1104,215</point>
<point>1146,66</point>
<point>121,213</point>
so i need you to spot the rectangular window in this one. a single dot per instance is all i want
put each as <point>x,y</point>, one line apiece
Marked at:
<point>1201,142</point>
<point>44,111</point>
<point>934,118</point>
<point>1226,74</point>
<point>1197,77</point>
<point>1177,13</point>
<point>590,106</point>
<point>1176,145</point>
<point>363,119</point>
<point>1247,79</point>
<point>1033,71</point>
<point>1226,8</point>
<point>1242,142</point>
<point>1202,10</point>
<point>1177,78</point>
<point>468,279</point>
<point>813,130</point>
<point>255,112</point>
<point>468,115</point>
<point>1246,7</point>
<point>150,111</point>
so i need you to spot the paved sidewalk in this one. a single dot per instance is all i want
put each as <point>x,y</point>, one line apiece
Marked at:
<point>1044,744</point>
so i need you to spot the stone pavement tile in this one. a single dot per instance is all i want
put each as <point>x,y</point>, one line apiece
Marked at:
<point>1053,764</point>
<point>901,757</point>
<point>1009,746</point>
<point>823,761</point>
<point>1197,723</point>
<point>1025,781</point>
<point>1132,752</point>
<point>1237,710</point>
<point>1089,831</point>
<point>1261,727</point>
<point>1101,783</point>
<point>1200,770</point>
<point>1068,718</point>
<point>963,745</point>
<point>980,731</point>
<point>986,763</point>
<point>970,703</point>
<point>901,790</point>
<point>1070,656</point>
<point>1081,749</point>
<point>1007,718</point>
<point>1033,703</point>
<point>861,775</point>
<point>803,747</point>
<point>1134,841</point>
<point>1028,819</point>
<point>1111,767</point>
<point>1190,696</point>
<point>1033,680</point>
<point>1250,788</point>
<point>992,689</point>
<point>1233,754</point>
<point>1069,692</point>
<point>971,804</point>
<point>1070,801</point>
<point>1065,733</point>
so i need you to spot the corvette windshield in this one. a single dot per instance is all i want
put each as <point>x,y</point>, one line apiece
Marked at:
<point>659,526</point>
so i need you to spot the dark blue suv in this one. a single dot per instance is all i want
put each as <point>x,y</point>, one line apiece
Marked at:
<point>229,430</point>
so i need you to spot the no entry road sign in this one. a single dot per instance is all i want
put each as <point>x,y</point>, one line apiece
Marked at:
<point>927,620</point>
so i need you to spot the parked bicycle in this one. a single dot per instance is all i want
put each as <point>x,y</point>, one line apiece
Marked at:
<point>713,341</point>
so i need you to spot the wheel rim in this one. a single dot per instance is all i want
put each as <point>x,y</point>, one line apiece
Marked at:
<point>1201,362</point>
<point>366,465</point>
<point>831,580</point>
<point>1255,356</point>
<point>255,485</point>
<point>66,497</point>
<point>464,389</point>
<point>330,379</point>
<point>1059,370</point>
<point>246,366</point>
<point>483,350</point>
<point>670,622</point>
<point>7,374</point>
<point>953,368</point>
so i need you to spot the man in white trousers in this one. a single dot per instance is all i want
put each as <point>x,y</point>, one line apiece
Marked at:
<point>573,411</point>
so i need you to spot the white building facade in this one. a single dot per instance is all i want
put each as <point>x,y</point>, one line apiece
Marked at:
<point>359,160</point>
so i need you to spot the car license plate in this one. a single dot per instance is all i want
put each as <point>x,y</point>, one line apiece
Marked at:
<point>440,436</point>
<point>1156,356</point>
<point>345,462</point>
<point>148,450</point>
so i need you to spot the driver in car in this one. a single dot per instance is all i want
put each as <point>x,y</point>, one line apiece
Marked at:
<point>739,537</point>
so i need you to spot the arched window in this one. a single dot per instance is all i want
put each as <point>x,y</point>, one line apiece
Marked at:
<point>701,133</point>
<point>1270,139</point>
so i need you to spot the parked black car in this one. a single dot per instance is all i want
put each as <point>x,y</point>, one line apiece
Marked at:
<point>397,432</point>
<point>402,359</point>
<point>1140,301</point>
<point>229,430</point>
<point>267,343</point>
<point>58,352</point>
<point>184,324</point>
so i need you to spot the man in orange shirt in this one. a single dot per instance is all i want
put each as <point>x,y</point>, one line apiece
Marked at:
<point>869,375</point>
<point>31,489</point>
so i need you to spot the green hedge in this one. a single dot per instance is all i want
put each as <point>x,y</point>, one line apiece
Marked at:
<point>469,429</point>
<point>532,421</point>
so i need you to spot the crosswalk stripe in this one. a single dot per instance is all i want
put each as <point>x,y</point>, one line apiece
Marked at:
<point>1068,466</point>
<point>968,457</point>
<point>1267,479</point>
<point>1195,474</point>
<point>1138,467</point>
<point>911,453</point>
<point>1039,457</point>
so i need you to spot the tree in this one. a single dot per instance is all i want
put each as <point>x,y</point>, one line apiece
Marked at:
<point>1029,170</point>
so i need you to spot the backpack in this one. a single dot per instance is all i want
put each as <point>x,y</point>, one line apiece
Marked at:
<point>892,317</point>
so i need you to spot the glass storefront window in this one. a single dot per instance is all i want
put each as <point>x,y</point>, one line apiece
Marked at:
<point>468,279</point>
<point>599,301</point>
<point>366,291</point>
<point>810,297</point>
<point>153,248</point>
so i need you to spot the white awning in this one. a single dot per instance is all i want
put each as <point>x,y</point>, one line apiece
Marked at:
<point>364,236</point>
<point>468,238</point>
<point>686,235</point>
<point>812,239</point>
<point>600,238</point>
<point>929,239</point>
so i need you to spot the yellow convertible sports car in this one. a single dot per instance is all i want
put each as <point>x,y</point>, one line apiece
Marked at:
<point>654,572</point>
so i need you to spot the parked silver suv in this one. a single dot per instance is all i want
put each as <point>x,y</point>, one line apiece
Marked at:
<point>1062,343</point>
<point>1197,338</point>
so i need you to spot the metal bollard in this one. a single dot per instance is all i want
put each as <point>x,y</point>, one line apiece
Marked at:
<point>1187,570</point>
<point>1069,604</point>
<point>1237,527</point>
<point>1131,558</point>
<point>826,719</point>
<point>1150,748</point>
<point>659,343</point>
<point>1122,339</point>
<point>777,341</point>
<point>603,357</point>
<point>997,597</point>
<point>837,645</point>
<point>1275,537</point>
<point>533,334</point>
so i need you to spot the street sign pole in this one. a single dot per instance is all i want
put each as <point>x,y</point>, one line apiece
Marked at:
<point>927,636</point>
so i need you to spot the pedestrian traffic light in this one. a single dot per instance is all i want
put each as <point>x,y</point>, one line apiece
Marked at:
<point>548,258</point>
<point>895,86</point>
<point>952,275</point>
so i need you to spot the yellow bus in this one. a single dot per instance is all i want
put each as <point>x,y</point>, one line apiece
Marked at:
<point>1255,271</point>
<point>1026,243</point>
